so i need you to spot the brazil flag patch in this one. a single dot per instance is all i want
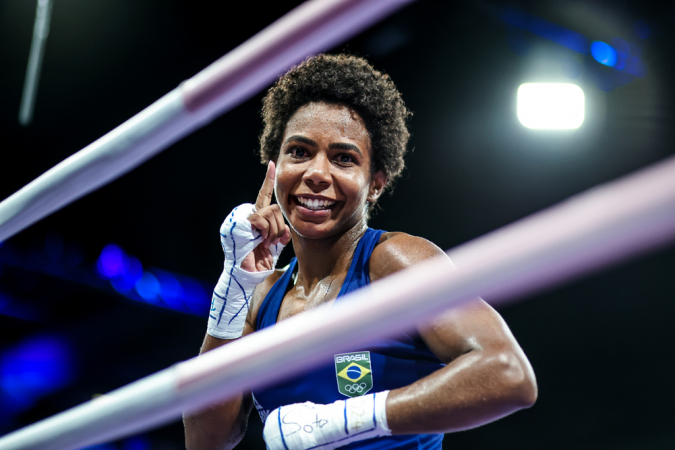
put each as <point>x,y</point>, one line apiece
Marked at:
<point>354,373</point>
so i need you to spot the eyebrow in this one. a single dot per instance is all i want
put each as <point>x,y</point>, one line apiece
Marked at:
<point>302,139</point>
<point>336,145</point>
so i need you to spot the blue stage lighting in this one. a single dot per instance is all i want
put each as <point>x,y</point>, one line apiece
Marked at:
<point>126,281</point>
<point>112,261</point>
<point>170,290</point>
<point>603,53</point>
<point>196,297</point>
<point>34,368</point>
<point>148,287</point>
<point>139,442</point>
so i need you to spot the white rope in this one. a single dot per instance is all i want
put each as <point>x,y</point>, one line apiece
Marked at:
<point>592,230</point>
<point>314,26</point>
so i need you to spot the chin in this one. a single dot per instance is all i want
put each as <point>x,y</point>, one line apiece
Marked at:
<point>324,229</point>
<point>310,230</point>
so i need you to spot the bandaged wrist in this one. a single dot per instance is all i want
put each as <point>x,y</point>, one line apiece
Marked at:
<point>307,425</point>
<point>230,302</point>
<point>231,297</point>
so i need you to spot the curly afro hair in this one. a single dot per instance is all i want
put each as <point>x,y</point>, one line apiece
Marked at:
<point>348,80</point>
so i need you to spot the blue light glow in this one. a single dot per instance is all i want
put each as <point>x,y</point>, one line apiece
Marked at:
<point>148,287</point>
<point>139,442</point>
<point>196,298</point>
<point>34,368</point>
<point>603,53</point>
<point>171,290</point>
<point>157,287</point>
<point>112,261</point>
<point>126,281</point>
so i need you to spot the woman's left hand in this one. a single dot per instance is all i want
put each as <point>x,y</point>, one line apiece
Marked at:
<point>269,221</point>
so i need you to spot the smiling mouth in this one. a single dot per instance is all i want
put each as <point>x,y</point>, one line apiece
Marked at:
<point>315,204</point>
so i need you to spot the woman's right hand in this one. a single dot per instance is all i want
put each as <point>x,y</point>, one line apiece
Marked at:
<point>269,221</point>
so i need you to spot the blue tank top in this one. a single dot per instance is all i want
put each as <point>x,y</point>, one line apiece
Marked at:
<point>386,364</point>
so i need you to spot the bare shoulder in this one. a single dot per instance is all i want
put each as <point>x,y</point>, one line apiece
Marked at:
<point>260,293</point>
<point>397,251</point>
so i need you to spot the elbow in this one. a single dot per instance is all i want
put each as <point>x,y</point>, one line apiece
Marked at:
<point>527,393</point>
<point>519,382</point>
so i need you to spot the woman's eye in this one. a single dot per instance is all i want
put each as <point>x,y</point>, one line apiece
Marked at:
<point>298,152</point>
<point>345,158</point>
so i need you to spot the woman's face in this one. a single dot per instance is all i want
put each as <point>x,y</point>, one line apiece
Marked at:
<point>323,177</point>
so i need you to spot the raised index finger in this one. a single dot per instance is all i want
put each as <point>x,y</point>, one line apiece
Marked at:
<point>267,190</point>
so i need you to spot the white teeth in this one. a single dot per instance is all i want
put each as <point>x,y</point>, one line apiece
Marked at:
<point>315,203</point>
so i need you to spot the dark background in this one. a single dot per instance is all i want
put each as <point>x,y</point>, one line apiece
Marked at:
<point>601,347</point>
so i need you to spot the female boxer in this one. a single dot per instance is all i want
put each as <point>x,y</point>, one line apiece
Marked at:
<point>334,139</point>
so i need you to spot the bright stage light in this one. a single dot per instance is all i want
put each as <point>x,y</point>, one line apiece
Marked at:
<point>550,105</point>
<point>148,287</point>
<point>603,53</point>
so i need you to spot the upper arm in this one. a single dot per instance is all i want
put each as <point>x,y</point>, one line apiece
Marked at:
<point>459,330</point>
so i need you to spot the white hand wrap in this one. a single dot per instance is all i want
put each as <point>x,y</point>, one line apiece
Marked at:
<point>230,302</point>
<point>307,425</point>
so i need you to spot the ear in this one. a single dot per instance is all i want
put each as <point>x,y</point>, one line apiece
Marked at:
<point>377,182</point>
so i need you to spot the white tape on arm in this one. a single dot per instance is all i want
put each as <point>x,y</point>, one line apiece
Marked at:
<point>306,425</point>
<point>230,302</point>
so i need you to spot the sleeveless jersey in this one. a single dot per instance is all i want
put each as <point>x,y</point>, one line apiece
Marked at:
<point>385,364</point>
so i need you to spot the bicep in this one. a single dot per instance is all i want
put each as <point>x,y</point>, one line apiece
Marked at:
<point>457,331</point>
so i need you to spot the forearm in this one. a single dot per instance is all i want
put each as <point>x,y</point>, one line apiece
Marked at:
<point>220,426</point>
<point>474,389</point>
<point>247,264</point>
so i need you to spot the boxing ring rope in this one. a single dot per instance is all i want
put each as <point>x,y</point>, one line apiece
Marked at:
<point>312,27</point>
<point>585,233</point>
<point>597,228</point>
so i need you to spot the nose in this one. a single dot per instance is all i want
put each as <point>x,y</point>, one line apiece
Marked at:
<point>318,172</point>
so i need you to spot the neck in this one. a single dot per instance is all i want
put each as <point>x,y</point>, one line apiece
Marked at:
<point>321,258</point>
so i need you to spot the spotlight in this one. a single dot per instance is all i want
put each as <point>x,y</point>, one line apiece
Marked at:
<point>550,105</point>
<point>112,261</point>
<point>148,287</point>
<point>603,53</point>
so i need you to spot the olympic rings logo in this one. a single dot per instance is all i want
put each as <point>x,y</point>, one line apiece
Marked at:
<point>355,388</point>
